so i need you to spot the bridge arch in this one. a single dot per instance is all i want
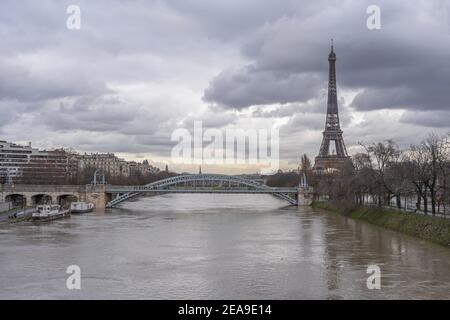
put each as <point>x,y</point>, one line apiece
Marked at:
<point>17,199</point>
<point>41,198</point>
<point>166,184</point>
<point>64,200</point>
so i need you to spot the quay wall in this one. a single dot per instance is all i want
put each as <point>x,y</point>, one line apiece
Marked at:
<point>89,193</point>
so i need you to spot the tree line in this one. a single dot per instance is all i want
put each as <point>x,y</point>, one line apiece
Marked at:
<point>384,175</point>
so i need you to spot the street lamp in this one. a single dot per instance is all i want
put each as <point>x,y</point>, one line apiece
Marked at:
<point>95,177</point>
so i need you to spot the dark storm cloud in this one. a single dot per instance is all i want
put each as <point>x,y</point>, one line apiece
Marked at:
<point>437,119</point>
<point>234,19</point>
<point>87,113</point>
<point>250,86</point>
<point>402,65</point>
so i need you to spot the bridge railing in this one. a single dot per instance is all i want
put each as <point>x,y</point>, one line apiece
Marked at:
<point>113,189</point>
<point>41,187</point>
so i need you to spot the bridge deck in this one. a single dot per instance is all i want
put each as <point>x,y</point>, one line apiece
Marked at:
<point>198,190</point>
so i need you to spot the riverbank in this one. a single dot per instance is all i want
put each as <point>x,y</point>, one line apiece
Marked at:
<point>24,214</point>
<point>429,228</point>
<point>5,214</point>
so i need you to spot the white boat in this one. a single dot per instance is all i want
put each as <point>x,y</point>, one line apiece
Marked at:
<point>81,207</point>
<point>48,212</point>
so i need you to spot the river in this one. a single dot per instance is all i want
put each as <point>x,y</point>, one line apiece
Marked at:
<point>217,246</point>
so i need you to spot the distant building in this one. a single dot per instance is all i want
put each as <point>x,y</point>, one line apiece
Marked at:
<point>146,168</point>
<point>143,168</point>
<point>108,163</point>
<point>24,164</point>
<point>114,166</point>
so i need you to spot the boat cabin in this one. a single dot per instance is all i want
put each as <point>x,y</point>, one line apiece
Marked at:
<point>47,209</point>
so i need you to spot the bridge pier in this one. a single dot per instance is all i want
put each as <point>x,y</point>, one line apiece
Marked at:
<point>28,200</point>
<point>97,195</point>
<point>304,196</point>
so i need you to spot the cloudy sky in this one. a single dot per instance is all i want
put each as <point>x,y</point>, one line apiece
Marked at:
<point>137,70</point>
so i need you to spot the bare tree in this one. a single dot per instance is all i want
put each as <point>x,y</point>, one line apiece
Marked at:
<point>384,156</point>
<point>416,160</point>
<point>436,150</point>
<point>363,180</point>
<point>384,172</point>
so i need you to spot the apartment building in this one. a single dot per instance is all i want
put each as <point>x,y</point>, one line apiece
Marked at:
<point>106,162</point>
<point>142,168</point>
<point>24,164</point>
<point>115,166</point>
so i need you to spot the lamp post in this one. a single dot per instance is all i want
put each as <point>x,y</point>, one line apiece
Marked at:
<point>95,177</point>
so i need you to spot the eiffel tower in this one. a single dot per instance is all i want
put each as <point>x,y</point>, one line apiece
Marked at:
<point>332,133</point>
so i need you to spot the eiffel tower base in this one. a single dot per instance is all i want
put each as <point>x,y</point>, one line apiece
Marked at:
<point>330,163</point>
